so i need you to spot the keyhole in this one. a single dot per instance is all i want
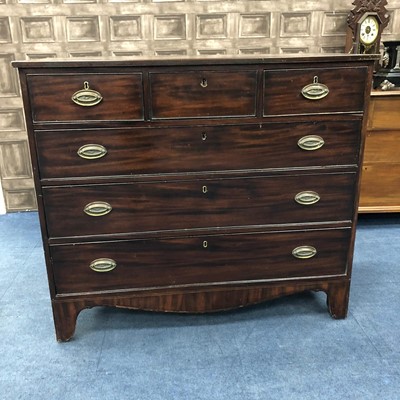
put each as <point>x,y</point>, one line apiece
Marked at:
<point>205,244</point>
<point>203,136</point>
<point>205,189</point>
<point>204,83</point>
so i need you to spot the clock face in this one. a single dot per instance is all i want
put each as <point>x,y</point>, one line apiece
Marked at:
<point>369,30</point>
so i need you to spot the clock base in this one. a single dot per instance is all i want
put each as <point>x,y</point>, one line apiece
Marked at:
<point>386,75</point>
<point>391,60</point>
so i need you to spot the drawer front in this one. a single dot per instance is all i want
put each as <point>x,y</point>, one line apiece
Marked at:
<point>160,206</point>
<point>384,113</point>
<point>283,90</point>
<point>382,147</point>
<point>203,94</point>
<point>121,97</point>
<point>380,187</point>
<point>195,260</point>
<point>195,149</point>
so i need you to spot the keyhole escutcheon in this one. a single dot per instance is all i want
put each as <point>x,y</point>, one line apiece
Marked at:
<point>203,83</point>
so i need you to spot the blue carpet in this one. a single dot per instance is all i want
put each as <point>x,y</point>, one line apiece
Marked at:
<point>285,349</point>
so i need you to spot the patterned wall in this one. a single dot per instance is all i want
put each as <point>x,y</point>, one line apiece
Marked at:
<point>31,29</point>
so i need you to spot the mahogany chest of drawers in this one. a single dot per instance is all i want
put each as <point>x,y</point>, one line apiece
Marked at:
<point>196,185</point>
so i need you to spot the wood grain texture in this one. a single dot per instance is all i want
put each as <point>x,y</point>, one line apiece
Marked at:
<point>384,111</point>
<point>200,300</point>
<point>380,184</point>
<point>224,93</point>
<point>200,182</point>
<point>157,206</point>
<point>133,151</point>
<point>380,187</point>
<point>51,96</point>
<point>282,93</point>
<point>221,61</point>
<point>185,260</point>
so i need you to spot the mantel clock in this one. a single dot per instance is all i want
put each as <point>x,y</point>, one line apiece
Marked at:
<point>365,25</point>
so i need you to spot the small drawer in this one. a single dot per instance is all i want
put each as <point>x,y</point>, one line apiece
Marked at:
<point>203,94</point>
<point>86,97</point>
<point>314,90</point>
<point>107,152</point>
<point>93,267</point>
<point>158,206</point>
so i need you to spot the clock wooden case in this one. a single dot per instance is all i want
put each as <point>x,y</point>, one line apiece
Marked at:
<point>365,25</point>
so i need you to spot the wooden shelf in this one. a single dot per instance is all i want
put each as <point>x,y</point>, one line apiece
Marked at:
<point>380,184</point>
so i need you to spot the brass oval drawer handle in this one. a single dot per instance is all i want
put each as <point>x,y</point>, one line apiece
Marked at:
<point>86,97</point>
<point>304,252</point>
<point>103,265</point>
<point>97,208</point>
<point>92,151</point>
<point>310,142</point>
<point>307,198</point>
<point>315,90</point>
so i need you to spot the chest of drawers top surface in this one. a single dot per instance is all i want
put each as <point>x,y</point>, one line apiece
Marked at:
<point>195,184</point>
<point>142,90</point>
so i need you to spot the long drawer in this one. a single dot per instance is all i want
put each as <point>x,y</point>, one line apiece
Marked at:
<point>97,152</point>
<point>86,97</point>
<point>314,90</point>
<point>139,207</point>
<point>95,267</point>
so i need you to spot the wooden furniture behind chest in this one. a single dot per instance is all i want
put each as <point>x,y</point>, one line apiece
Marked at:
<point>380,183</point>
<point>195,185</point>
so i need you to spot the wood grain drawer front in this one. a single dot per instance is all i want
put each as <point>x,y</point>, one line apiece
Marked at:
<point>380,187</point>
<point>199,260</point>
<point>195,149</point>
<point>198,204</point>
<point>384,113</point>
<point>382,147</point>
<point>121,97</point>
<point>203,94</point>
<point>283,90</point>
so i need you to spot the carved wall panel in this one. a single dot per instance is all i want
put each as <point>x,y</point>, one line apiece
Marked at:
<point>5,31</point>
<point>37,29</point>
<point>125,28</point>
<point>32,29</point>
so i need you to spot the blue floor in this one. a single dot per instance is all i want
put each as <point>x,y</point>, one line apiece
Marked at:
<point>285,349</point>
